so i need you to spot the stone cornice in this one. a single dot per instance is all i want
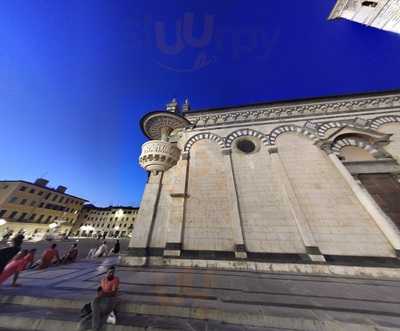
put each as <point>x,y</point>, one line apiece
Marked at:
<point>338,9</point>
<point>270,112</point>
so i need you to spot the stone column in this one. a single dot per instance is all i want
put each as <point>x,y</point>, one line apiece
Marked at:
<point>140,241</point>
<point>300,218</point>
<point>173,246</point>
<point>240,248</point>
<point>384,223</point>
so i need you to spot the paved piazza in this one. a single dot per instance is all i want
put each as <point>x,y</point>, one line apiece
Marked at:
<point>200,299</point>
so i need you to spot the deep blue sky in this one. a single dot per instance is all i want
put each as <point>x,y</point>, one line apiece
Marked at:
<point>76,76</point>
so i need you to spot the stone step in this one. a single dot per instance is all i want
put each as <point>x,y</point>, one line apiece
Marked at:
<point>26,318</point>
<point>283,317</point>
<point>263,300</point>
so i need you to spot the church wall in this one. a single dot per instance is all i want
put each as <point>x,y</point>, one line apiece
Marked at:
<point>208,219</point>
<point>296,196</point>
<point>268,225</point>
<point>158,235</point>
<point>339,223</point>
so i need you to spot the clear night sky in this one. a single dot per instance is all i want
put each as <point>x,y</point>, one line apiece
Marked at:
<point>76,76</point>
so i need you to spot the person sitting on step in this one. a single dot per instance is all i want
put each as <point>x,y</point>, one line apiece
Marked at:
<point>71,255</point>
<point>48,257</point>
<point>103,305</point>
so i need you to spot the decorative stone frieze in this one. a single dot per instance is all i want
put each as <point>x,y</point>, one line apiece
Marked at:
<point>158,155</point>
<point>269,112</point>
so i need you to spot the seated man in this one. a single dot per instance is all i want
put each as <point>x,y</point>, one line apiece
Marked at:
<point>71,255</point>
<point>95,316</point>
<point>48,257</point>
<point>105,301</point>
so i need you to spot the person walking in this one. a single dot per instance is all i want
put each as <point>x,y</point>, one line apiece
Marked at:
<point>14,267</point>
<point>6,254</point>
<point>29,258</point>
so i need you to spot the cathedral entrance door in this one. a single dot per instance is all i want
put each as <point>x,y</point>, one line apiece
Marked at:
<point>385,190</point>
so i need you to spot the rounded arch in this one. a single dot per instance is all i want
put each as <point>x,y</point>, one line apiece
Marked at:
<point>291,128</point>
<point>245,132</point>
<point>330,125</point>
<point>355,142</point>
<point>200,136</point>
<point>381,120</point>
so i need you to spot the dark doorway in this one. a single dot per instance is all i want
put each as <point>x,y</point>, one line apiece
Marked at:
<point>385,189</point>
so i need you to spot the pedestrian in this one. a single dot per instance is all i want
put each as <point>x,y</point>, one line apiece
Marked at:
<point>29,258</point>
<point>116,248</point>
<point>14,267</point>
<point>48,257</point>
<point>6,254</point>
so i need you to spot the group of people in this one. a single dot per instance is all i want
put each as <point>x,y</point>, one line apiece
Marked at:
<point>102,250</point>
<point>14,259</point>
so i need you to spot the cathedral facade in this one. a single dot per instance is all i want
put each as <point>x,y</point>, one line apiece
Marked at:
<point>311,181</point>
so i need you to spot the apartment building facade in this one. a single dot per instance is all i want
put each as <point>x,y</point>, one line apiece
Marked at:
<point>34,209</point>
<point>108,222</point>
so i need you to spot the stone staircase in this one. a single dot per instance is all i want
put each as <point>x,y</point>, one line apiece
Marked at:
<point>190,299</point>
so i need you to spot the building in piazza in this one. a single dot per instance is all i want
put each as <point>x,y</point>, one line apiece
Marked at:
<point>35,209</point>
<point>380,14</point>
<point>106,222</point>
<point>305,181</point>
